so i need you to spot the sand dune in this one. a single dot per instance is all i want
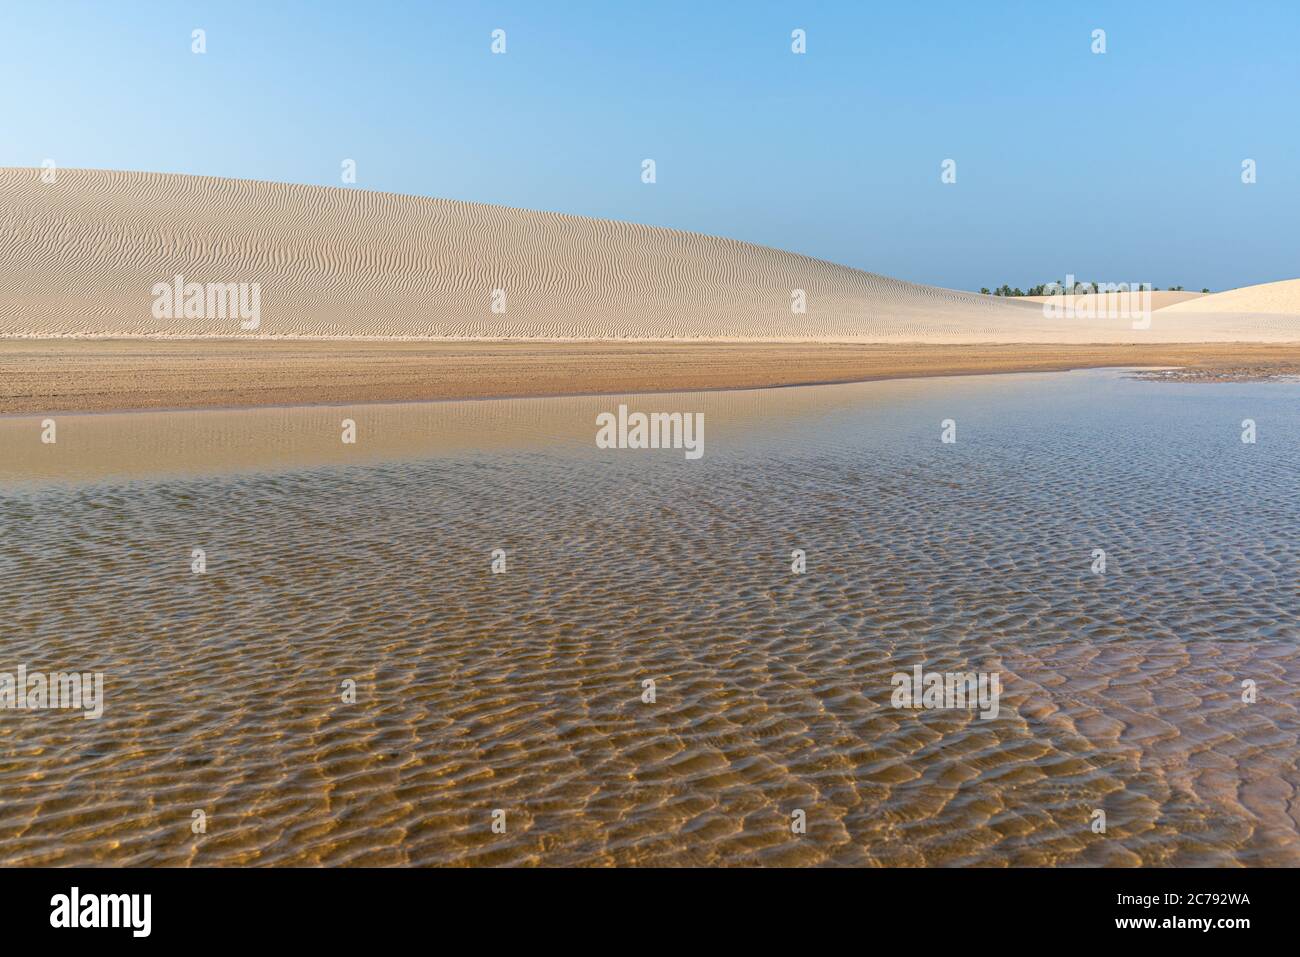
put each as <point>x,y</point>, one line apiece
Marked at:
<point>80,257</point>
<point>1266,299</point>
<point>1160,298</point>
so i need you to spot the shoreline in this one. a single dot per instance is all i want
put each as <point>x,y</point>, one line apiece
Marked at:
<point>123,375</point>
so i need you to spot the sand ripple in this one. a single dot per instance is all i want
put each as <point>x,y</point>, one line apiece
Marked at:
<point>523,691</point>
<point>80,256</point>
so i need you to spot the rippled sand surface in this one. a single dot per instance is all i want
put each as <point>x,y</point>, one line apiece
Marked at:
<point>522,691</point>
<point>83,255</point>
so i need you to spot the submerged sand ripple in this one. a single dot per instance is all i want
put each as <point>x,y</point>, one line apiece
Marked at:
<point>522,691</point>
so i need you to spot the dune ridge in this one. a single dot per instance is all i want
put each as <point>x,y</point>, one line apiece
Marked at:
<point>1266,299</point>
<point>80,256</point>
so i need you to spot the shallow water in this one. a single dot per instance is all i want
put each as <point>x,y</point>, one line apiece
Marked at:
<point>522,691</point>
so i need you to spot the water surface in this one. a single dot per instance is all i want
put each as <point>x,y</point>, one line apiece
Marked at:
<point>523,691</point>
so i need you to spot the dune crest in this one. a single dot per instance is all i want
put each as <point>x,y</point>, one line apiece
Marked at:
<point>80,256</point>
<point>1266,299</point>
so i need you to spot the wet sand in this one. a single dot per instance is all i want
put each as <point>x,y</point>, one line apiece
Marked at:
<point>40,376</point>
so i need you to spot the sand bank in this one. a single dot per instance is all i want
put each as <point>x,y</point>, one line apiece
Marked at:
<point>85,376</point>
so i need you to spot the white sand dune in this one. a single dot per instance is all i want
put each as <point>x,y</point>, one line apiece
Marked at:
<point>1266,299</point>
<point>80,258</point>
<point>1160,298</point>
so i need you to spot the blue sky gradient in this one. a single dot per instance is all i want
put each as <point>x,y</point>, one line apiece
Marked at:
<point>1119,167</point>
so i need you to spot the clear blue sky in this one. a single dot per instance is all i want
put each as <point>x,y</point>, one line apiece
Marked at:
<point>1124,166</point>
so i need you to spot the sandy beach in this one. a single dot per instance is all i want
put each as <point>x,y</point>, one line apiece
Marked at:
<point>38,376</point>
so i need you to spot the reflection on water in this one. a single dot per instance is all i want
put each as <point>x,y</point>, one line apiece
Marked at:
<point>523,691</point>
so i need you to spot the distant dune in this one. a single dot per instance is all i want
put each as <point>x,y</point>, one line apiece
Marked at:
<point>1160,298</point>
<point>80,257</point>
<point>1267,299</point>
